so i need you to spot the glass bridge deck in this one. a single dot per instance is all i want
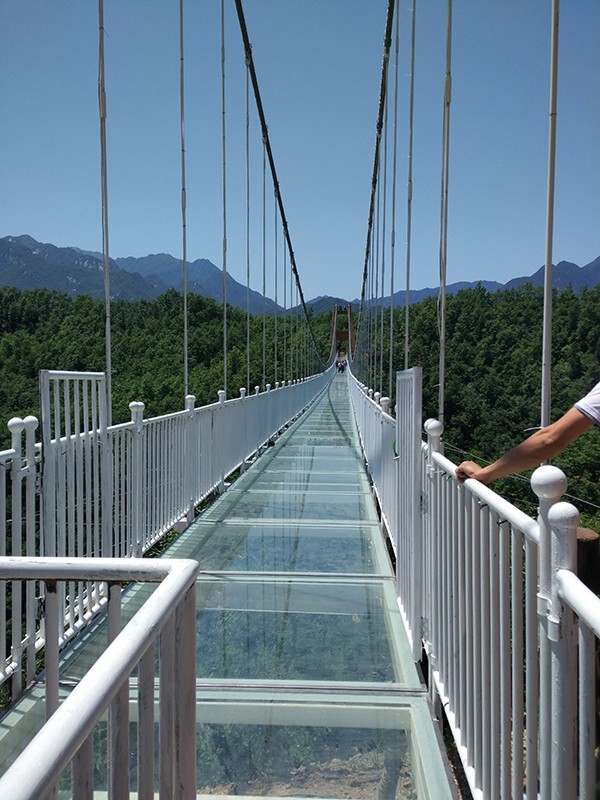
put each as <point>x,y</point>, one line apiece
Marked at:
<point>305,681</point>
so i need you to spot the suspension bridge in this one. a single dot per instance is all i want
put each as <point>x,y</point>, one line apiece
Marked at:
<point>286,593</point>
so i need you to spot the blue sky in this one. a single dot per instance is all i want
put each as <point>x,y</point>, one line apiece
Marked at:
<point>318,65</point>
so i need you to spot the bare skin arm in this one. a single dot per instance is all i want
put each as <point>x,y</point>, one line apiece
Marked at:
<point>542,445</point>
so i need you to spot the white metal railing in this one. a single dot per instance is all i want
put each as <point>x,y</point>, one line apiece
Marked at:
<point>114,491</point>
<point>392,452</point>
<point>508,629</point>
<point>66,736</point>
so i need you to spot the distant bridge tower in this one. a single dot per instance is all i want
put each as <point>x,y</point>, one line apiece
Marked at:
<point>344,328</point>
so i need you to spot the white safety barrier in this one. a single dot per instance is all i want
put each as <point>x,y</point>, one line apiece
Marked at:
<point>499,605</point>
<point>392,451</point>
<point>66,737</point>
<point>114,491</point>
<point>508,630</point>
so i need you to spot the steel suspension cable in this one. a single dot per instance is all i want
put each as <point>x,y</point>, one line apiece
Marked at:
<point>276,312</point>
<point>393,233</point>
<point>284,320</point>
<point>377,263</point>
<point>444,213</point>
<point>223,128</point>
<point>247,229</point>
<point>409,187</point>
<point>104,192</point>
<point>183,203</point>
<point>547,327</point>
<point>265,132</point>
<point>264,271</point>
<point>383,226</point>
<point>374,179</point>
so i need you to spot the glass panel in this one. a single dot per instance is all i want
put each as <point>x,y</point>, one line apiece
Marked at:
<point>328,463</point>
<point>305,480</point>
<point>275,547</point>
<point>301,630</point>
<point>353,749</point>
<point>290,506</point>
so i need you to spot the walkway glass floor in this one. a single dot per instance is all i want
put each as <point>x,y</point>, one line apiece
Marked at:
<point>305,681</point>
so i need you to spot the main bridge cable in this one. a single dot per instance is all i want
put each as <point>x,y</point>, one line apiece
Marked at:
<point>387,43</point>
<point>267,143</point>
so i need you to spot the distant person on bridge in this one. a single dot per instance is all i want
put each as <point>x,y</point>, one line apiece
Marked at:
<point>543,444</point>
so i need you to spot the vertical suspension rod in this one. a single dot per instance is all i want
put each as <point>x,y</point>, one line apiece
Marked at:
<point>247,228</point>
<point>104,190</point>
<point>393,232</point>
<point>409,185</point>
<point>224,197</point>
<point>444,213</point>
<point>547,327</point>
<point>387,42</point>
<point>183,204</point>
<point>265,132</point>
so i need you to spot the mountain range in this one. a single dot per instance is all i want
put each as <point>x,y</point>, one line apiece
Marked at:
<point>28,264</point>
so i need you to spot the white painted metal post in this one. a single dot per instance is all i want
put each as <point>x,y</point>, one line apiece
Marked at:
<point>221,439</point>
<point>185,697</point>
<point>83,771</point>
<point>564,519</point>
<point>108,544</point>
<point>549,484</point>
<point>189,451</point>
<point>434,430</point>
<point>16,426</point>
<point>118,712</point>
<point>28,471</point>
<point>137,469</point>
<point>146,725</point>
<point>167,709</point>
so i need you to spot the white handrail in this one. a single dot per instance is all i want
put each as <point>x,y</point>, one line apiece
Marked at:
<point>40,764</point>
<point>117,491</point>
<point>581,600</point>
<point>499,601</point>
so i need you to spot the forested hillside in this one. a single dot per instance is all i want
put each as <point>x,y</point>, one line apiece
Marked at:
<point>493,376</point>
<point>493,357</point>
<point>41,329</point>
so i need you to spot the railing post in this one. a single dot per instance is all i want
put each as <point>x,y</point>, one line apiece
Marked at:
<point>190,446</point>
<point>548,483</point>
<point>221,394</point>
<point>247,434</point>
<point>29,471</point>
<point>185,691</point>
<point>269,414</point>
<point>563,519</point>
<point>16,426</point>
<point>432,610</point>
<point>137,418</point>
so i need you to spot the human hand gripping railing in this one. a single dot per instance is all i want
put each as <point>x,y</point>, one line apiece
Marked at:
<point>66,736</point>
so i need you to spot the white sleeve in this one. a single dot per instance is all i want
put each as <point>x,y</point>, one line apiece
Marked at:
<point>590,404</point>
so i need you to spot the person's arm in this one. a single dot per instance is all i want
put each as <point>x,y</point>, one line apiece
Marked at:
<point>542,445</point>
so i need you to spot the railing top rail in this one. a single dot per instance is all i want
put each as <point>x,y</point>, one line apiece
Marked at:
<point>56,743</point>
<point>165,417</point>
<point>580,599</point>
<point>122,570</point>
<point>74,376</point>
<point>6,455</point>
<point>518,519</point>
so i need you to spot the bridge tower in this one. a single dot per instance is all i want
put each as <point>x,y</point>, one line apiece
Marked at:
<point>344,328</point>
